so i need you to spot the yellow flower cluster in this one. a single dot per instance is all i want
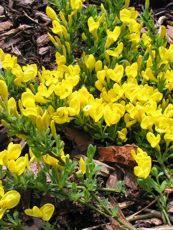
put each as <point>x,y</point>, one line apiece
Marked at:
<point>12,160</point>
<point>143,168</point>
<point>8,200</point>
<point>126,85</point>
<point>45,212</point>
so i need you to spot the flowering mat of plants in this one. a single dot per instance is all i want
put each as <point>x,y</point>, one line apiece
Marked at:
<point>86,130</point>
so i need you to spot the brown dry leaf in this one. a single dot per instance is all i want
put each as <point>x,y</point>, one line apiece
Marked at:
<point>120,215</point>
<point>125,204</point>
<point>168,190</point>
<point>5,25</point>
<point>112,181</point>
<point>14,31</point>
<point>130,181</point>
<point>80,138</point>
<point>44,50</point>
<point>42,40</point>
<point>42,16</point>
<point>170,33</point>
<point>163,227</point>
<point>11,43</point>
<point>114,224</point>
<point>117,154</point>
<point>25,2</point>
<point>148,223</point>
<point>105,169</point>
<point>170,207</point>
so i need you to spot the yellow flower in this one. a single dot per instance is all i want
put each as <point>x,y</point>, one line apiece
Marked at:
<point>8,201</point>
<point>98,66</point>
<point>116,74</point>
<point>18,166</point>
<point>148,74</point>
<point>50,160</point>
<point>42,122</point>
<point>146,39</point>
<point>168,137</point>
<point>94,109</point>
<point>153,140</point>
<point>128,15</point>
<point>169,111</point>
<point>59,29</point>
<point>12,106</point>
<point>60,59</point>
<point>93,26</point>
<point>99,85</point>
<point>28,102</point>
<point>30,72</point>
<point>28,99</point>
<point>112,36</point>
<point>116,52</point>
<point>1,189</point>
<point>132,70</point>
<point>51,13</point>
<point>9,62</point>
<point>76,4</point>
<point>144,163</point>
<point>2,55</point>
<point>82,165</point>
<point>90,62</point>
<point>61,115</point>
<point>3,91</point>
<point>166,55</point>
<point>122,134</point>
<point>162,31</point>
<point>63,89</point>
<point>147,122</point>
<point>12,153</point>
<point>45,212</point>
<point>113,113</point>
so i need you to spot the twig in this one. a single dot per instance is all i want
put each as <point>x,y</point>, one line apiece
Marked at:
<point>145,216</point>
<point>149,205</point>
<point>164,227</point>
<point>95,227</point>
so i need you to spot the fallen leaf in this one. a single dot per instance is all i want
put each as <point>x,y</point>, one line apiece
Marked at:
<point>117,154</point>
<point>42,16</point>
<point>120,216</point>
<point>125,204</point>
<point>170,33</point>
<point>163,227</point>
<point>114,224</point>
<point>148,223</point>
<point>11,43</point>
<point>131,184</point>
<point>170,207</point>
<point>42,40</point>
<point>25,2</point>
<point>112,181</point>
<point>5,25</point>
<point>44,50</point>
<point>168,190</point>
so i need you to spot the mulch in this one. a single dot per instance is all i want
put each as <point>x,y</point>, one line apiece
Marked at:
<point>24,27</point>
<point>23,31</point>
